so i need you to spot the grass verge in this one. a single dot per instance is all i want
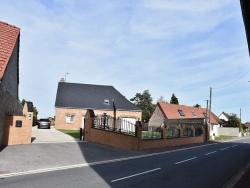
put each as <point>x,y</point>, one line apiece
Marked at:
<point>73,133</point>
<point>223,137</point>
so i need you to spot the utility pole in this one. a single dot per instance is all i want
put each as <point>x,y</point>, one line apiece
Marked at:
<point>209,116</point>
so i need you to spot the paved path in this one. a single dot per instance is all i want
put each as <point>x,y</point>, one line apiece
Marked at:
<point>50,135</point>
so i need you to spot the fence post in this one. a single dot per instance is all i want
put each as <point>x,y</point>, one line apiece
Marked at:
<point>163,131</point>
<point>88,124</point>
<point>80,133</point>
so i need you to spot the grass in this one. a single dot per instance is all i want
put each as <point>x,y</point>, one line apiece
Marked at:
<point>73,133</point>
<point>223,137</point>
<point>150,135</point>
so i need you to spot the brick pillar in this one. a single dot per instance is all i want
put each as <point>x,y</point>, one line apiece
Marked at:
<point>193,131</point>
<point>181,131</point>
<point>89,118</point>
<point>138,133</point>
<point>204,134</point>
<point>138,129</point>
<point>164,132</point>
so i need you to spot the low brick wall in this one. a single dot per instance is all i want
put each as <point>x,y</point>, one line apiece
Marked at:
<point>112,139</point>
<point>147,144</point>
<point>14,134</point>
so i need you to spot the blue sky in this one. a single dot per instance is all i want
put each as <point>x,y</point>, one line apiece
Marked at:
<point>165,46</point>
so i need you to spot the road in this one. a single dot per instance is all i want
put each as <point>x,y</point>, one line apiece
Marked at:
<point>204,166</point>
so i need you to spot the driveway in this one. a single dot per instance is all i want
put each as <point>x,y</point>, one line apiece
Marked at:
<point>50,135</point>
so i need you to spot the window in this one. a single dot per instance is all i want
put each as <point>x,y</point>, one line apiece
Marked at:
<point>106,101</point>
<point>194,114</point>
<point>181,112</point>
<point>70,118</point>
<point>205,115</point>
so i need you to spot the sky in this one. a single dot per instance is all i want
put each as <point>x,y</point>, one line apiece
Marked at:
<point>164,46</point>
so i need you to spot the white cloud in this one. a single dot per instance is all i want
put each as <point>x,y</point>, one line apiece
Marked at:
<point>168,47</point>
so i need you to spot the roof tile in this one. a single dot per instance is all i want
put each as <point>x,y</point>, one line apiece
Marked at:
<point>8,37</point>
<point>170,111</point>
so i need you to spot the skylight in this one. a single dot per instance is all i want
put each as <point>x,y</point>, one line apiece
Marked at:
<point>205,115</point>
<point>181,112</point>
<point>106,101</point>
<point>194,114</point>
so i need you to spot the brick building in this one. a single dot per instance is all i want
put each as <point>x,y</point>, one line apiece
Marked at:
<point>9,73</point>
<point>73,100</point>
<point>174,116</point>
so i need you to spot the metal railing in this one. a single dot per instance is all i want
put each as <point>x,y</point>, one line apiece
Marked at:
<point>151,134</point>
<point>173,132</point>
<point>119,125</point>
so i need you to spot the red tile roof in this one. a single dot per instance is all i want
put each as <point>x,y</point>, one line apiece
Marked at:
<point>8,37</point>
<point>170,111</point>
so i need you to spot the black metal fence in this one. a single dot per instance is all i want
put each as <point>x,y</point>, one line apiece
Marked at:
<point>153,134</point>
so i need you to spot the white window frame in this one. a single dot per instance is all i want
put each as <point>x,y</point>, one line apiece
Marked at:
<point>70,118</point>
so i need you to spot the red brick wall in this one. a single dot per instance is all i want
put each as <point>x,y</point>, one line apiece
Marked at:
<point>147,144</point>
<point>130,142</point>
<point>13,135</point>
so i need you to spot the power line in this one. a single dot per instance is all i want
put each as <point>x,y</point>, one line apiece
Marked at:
<point>233,81</point>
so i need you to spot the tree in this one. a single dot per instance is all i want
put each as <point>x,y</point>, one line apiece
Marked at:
<point>161,99</point>
<point>35,112</point>
<point>174,99</point>
<point>234,121</point>
<point>144,102</point>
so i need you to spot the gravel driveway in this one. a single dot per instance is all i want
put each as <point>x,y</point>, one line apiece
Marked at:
<point>50,135</point>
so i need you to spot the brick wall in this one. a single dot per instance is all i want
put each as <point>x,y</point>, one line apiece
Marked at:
<point>130,142</point>
<point>13,135</point>
<point>60,120</point>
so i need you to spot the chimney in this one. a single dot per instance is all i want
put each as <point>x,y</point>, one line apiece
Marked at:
<point>62,80</point>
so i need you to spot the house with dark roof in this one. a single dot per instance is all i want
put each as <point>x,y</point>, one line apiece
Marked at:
<point>173,115</point>
<point>74,99</point>
<point>9,72</point>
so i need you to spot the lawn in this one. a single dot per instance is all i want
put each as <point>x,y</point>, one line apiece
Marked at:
<point>223,137</point>
<point>73,133</point>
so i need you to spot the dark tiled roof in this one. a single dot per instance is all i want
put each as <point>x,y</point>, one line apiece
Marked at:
<point>73,95</point>
<point>30,106</point>
<point>170,111</point>
<point>8,37</point>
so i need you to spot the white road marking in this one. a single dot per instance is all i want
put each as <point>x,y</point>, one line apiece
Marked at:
<point>210,152</point>
<point>234,146</point>
<point>104,162</point>
<point>135,175</point>
<point>186,160</point>
<point>224,148</point>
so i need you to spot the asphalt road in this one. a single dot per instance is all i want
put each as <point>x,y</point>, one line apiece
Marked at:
<point>205,166</point>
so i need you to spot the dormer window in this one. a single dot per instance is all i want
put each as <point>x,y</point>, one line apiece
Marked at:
<point>106,101</point>
<point>181,112</point>
<point>194,114</point>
